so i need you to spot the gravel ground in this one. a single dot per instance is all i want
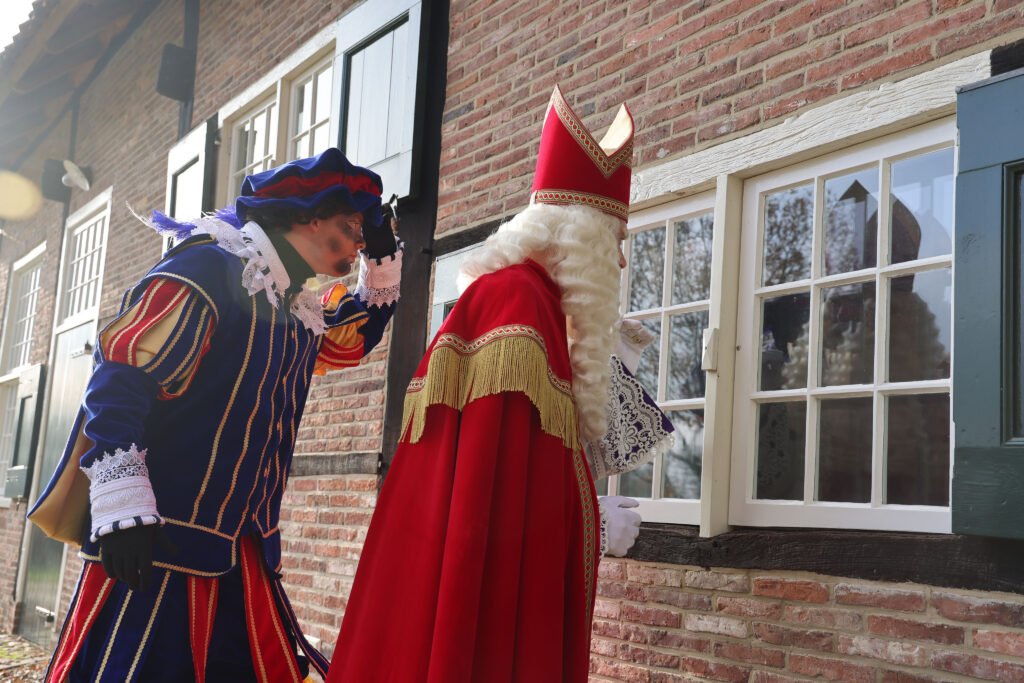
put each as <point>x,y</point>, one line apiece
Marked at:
<point>21,661</point>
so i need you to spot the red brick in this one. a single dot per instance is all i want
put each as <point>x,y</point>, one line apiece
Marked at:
<point>909,629</point>
<point>791,589</point>
<point>803,639</point>
<point>844,61</point>
<point>822,617</point>
<point>714,671</point>
<point>749,607</point>
<point>978,610</point>
<point>983,668</point>
<point>804,98</point>
<point>831,669</point>
<point>677,597</point>
<point>772,677</point>
<point>886,598</point>
<point>890,22</point>
<point>656,576</point>
<point>652,616</point>
<point>750,654</point>
<point>679,641</point>
<point>886,67</point>
<point>1001,642</point>
<point>806,14</point>
<point>904,677</point>
<point>938,26</point>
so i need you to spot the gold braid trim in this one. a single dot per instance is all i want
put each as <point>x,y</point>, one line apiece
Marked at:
<point>512,358</point>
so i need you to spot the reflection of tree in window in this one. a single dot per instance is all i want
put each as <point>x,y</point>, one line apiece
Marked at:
<point>787,235</point>
<point>851,222</point>
<point>683,462</point>
<point>691,278</point>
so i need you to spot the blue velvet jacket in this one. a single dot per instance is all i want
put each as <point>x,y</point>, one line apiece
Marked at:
<point>216,402</point>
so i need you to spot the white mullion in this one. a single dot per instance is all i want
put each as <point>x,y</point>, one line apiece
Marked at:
<point>842,391</point>
<point>918,266</point>
<point>682,404</point>
<point>692,307</point>
<point>851,278</point>
<point>664,361</point>
<point>933,386</point>
<point>880,418</point>
<point>813,424</point>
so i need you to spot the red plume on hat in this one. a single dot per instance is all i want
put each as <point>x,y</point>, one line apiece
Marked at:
<point>574,168</point>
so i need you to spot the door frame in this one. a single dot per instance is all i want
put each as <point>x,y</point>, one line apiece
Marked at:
<point>99,203</point>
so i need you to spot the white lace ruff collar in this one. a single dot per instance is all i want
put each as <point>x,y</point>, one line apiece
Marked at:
<point>264,271</point>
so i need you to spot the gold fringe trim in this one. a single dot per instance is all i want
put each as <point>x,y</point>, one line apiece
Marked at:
<point>507,359</point>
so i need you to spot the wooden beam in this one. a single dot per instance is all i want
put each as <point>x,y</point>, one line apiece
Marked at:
<point>87,20</point>
<point>35,47</point>
<point>34,99</point>
<point>51,66</point>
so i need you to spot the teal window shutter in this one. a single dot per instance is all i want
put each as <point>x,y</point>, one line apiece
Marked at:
<point>988,356</point>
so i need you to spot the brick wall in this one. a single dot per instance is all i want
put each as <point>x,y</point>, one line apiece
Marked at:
<point>670,623</point>
<point>694,73</point>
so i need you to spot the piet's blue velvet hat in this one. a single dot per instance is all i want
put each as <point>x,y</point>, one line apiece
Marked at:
<point>304,183</point>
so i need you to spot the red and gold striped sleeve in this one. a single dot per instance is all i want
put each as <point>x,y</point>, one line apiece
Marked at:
<point>165,333</point>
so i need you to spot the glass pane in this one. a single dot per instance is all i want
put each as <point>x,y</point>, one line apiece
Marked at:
<point>188,191</point>
<point>686,343</point>
<point>647,269</point>
<point>922,206</point>
<point>848,334</point>
<point>919,326</point>
<point>323,95</point>
<point>637,484</point>
<point>242,144</point>
<point>844,450</point>
<point>303,106</point>
<point>321,139</point>
<point>300,148</point>
<point>8,422</point>
<point>647,370</point>
<point>851,221</point>
<point>780,451</point>
<point>259,136</point>
<point>788,221</point>
<point>691,269</point>
<point>918,450</point>
<point>683,462</point>
<point>784,340</point>
<point>601,485</point>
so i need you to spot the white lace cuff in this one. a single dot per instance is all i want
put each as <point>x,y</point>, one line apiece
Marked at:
<point>379,279</point>
<point>604,529</point>
<point>120,493</point>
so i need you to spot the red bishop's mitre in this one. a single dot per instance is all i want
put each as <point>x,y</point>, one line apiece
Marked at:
<point>574,168</point>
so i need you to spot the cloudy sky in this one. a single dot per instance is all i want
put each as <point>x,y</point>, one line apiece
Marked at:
<point>12,15</point>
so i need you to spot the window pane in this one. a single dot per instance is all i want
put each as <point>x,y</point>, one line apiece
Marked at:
<point>637,484</point>
<point>844,450</point>
<point>300,148</point>
<point>321,139</point>
<point>918,450</point>
<point>188,191</point>
<point>686,343</point>
<point>784,339</point>
<point>919,326</point>
<point>848,334</point>
<point>788,220</point>
<point>324,87</point>
<point>647,370</point>
<point>646,269</point>
<point>683,462</point>
<point>922,206</point>
<point>259,137</point>
<point>851,221</point>
<point>8,423</point>
<point>601,485</point>
<point>691,270</point>
<point>303,106</point>
<point>780,450</point>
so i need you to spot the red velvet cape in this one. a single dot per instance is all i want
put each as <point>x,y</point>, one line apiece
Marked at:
<point>481,559</point>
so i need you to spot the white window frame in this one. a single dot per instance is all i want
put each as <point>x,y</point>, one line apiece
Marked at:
<point>276,89</point>
<point>656,508</point>
<point>311,76</point>
<point>97,208</point>
<point>360,27</point>
<point>745,509</point>
<point>19,269</point>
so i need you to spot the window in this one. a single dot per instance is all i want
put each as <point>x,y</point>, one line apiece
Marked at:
<point>667,286</point>
<point>84,252</point>
<point>191,170</point>
<point>377,53</point>
<point>303,99</point>
<point>842,393</point>
<point>446,290</point>
<point>21,310</point>
<point>17,346</point>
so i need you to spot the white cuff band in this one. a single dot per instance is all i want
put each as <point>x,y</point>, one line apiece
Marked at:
<point>380,279</point>
<point>120,494</point>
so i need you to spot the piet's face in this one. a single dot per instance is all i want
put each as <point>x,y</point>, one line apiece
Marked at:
<point>338,240</point>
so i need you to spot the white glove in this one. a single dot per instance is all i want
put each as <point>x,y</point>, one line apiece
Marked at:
<point>633,339</point>
<point>621,525</point>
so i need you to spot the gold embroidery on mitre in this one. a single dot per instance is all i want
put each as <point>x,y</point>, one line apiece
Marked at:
<point>561,197</point>
<point>512,358</point>
<point>616,147</point>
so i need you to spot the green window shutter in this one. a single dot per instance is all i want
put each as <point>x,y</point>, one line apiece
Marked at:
<point>988,363</point>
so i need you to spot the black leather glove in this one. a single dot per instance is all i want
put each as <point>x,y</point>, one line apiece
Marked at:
<point>127,554</point>
<point>381,241</point>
